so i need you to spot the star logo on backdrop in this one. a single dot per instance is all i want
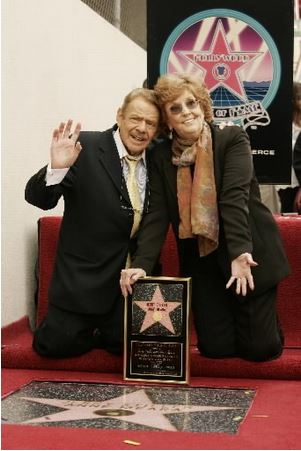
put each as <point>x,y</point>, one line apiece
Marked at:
<point>220,64</point>
<point>157,311</point>
<point>135,407</point>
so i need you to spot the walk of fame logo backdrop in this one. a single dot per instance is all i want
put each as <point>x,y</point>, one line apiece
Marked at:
<point>244,53</point>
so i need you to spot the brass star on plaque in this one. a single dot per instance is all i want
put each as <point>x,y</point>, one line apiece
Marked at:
<point>157,310</point>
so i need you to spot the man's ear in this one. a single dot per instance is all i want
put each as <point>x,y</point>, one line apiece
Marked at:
<point>119,116</point>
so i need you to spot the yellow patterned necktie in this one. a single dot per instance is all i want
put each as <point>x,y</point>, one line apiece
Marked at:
<point>135,199</point>
<point>133,191</point>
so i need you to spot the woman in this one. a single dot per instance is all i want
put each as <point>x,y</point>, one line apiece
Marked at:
<point>202,181</point>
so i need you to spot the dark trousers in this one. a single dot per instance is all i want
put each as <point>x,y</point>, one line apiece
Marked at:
<point>287,197</point>
<point>228,325</point>
<point>68,334</point>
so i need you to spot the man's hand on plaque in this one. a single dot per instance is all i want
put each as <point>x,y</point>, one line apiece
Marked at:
<point>128,277</point>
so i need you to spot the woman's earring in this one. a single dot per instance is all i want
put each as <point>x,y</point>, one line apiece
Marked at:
<point>170,134</point>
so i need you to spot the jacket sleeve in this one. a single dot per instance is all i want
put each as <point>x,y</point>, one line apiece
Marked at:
<point>297,158</point>
<point>237,173</point>
<point>40,195</point>
<point>155,223</point>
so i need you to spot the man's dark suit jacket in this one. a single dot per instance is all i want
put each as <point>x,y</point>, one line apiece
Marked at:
<point>95,233</point>
<point>246,225</point>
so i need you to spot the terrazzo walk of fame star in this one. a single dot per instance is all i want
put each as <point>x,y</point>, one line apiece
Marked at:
<point>134,407</point>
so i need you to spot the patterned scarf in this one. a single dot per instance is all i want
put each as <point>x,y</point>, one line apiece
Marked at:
<point>197,198</point>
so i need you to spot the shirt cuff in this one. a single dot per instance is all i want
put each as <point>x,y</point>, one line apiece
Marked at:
<point>55,176</point>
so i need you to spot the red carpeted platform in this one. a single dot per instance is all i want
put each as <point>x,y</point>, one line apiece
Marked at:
<point>17,337</point>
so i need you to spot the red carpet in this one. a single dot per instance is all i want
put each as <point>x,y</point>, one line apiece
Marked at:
<point>18,353</point>
<point>17,337</point>
<point>273,421</point>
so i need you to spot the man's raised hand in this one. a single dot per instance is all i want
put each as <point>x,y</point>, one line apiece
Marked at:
<point>64,146</point>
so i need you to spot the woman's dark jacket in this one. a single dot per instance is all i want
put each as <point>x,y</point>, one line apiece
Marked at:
<point>246,224</point>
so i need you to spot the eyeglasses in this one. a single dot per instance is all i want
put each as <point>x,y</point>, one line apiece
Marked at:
<point>190,104</point>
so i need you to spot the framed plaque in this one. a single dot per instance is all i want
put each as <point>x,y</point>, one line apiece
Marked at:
<point>156,332</point>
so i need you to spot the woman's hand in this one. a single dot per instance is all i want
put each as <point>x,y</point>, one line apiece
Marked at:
<point>64,146</point>
<point>128,277</point>
<point>241,272</point>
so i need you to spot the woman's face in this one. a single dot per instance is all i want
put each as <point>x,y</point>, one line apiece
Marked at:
<point>185,116</point>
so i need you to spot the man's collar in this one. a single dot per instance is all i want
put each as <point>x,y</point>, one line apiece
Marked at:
<point>121,148</point>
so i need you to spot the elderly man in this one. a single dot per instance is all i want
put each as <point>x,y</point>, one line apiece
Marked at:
<point>102,177</point>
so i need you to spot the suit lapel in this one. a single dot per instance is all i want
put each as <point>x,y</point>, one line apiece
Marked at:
<point>170,171</point>
<point>218,158</point>
<point>147,187</point>
<point>109,159</point>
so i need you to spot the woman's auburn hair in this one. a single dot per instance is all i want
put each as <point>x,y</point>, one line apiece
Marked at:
<point>171,86</point>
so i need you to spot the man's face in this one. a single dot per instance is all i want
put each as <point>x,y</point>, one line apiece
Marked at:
<point>138,125</point>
